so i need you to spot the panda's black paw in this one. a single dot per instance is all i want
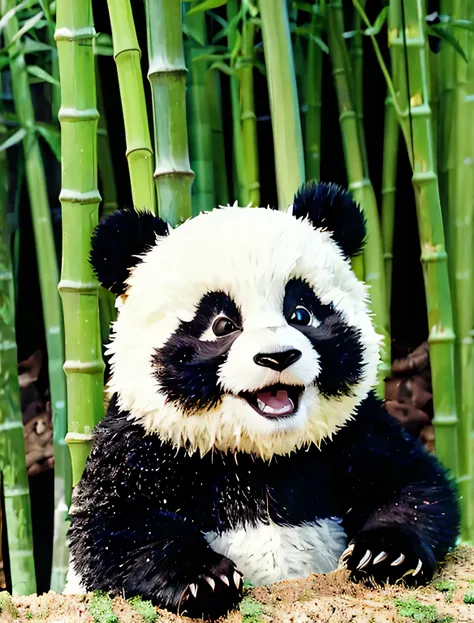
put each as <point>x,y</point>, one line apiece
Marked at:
<point>387,554</point>
<point>214,592</point>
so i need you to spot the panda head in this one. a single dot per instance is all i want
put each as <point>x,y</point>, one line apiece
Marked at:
<point>243,329</point>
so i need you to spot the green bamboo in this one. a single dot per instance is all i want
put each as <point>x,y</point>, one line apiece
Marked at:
<point>359,182</point>
<point>357,64</point>
<point>247,116</point>
<point>48,278</point>
<point>287,135</point>
<point>221,184</point>
<point>199,117</point>
<point>389,181</point>
<point>430,224</point>
<point>167,75</point>
<point>240,185</point>
<point>132,94</point>
<point>313,100</point>
<point>107,310</point>
<point>460,248</point>
<point>79,199</point>
<point>12,447</point>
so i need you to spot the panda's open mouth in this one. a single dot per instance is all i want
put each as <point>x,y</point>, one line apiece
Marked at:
<point>275,401</point>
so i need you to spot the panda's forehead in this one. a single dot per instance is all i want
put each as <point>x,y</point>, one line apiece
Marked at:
<point>248,253</point>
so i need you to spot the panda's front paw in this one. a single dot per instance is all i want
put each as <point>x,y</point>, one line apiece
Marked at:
<point>389,554</point>
<point>214,592</point>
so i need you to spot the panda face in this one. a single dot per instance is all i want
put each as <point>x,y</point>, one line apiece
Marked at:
<point>243,330</point>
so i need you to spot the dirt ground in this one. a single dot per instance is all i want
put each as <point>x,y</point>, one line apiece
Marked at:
<point>329,599</point>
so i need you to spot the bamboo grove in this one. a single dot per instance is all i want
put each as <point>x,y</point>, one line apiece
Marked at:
<point>198,144</point>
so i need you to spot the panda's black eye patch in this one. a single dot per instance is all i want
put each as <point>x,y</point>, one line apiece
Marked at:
<point>187,366</point>
<point>299,296</point>
<point>337,343</point>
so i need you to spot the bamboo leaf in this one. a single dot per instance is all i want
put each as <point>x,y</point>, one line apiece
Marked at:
<point>220,20</point>
<point>223,67</point>
<point>30,46</point>
<point>14,139</point>
<point>45,6</point>
<point>232,25</point>
<point>321,43</point>
<point>207,4</point>
<point>27,26</point>
<point>52,136</point>
<point>237,46</point>
<point>43,75</point>
<point>211,57</point>
<point>378,24</point>
<point>463,23</point>
<point>12,12</point>
<point>444,33</point>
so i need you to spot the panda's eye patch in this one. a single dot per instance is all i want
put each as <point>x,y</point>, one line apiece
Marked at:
<point>301,306</point>
<point>301,316</point>
<point>223,326</point>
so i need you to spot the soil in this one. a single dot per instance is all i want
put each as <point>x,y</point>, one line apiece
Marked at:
<point>331,598</point>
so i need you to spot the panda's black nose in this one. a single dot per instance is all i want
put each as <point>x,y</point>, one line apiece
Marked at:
<point>278,361</point>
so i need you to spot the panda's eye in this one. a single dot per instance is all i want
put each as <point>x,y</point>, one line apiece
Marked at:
<point>223,326</point>
<point>301,316</point>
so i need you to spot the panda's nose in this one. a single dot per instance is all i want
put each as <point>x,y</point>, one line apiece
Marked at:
<point>278,361</point>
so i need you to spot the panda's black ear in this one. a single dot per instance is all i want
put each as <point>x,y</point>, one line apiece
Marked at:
<point>116,242</point>
<point>332,208</point>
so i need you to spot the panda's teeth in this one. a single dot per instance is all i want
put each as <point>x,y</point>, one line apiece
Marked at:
<point>270,410</point>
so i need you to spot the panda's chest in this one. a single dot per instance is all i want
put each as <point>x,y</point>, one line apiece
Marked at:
<point>268,552</point>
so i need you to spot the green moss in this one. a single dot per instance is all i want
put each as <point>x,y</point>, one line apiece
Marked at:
<point>29,615</point>
<point>100,608</point>
<point>145,609</point>
<point>251,610</point>
<point>469,598</point>
<point>447,587</point>
<point>414,609</point>
<point>7,606</point>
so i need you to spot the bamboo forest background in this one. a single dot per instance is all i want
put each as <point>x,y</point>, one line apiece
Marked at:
<point>97,108</point>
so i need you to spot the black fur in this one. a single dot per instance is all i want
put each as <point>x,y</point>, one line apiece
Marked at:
<point>142,507</point>
<point>117,240</point>
<point>332,208</point>
<point>336,342</point>
<point>186,367</point>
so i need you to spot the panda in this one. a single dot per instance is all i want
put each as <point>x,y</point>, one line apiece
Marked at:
<point>242,439</point>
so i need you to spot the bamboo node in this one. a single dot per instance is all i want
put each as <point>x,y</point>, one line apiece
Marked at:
<point>442,336</point>
<point>423,177</point>
<point>74,34</point>
<point>165,70</point>
<point>78,438</point>
<point>69,285</point>
<point>75,196</point>
<point>6,275</point>
<point>173,173</point>
<point>245,116</point>
<point>75,115</point>
<point>15,492</point>
<point>359,184</point>
<point>83,367</point>
<point>10,426</point>
<point>6,345</point>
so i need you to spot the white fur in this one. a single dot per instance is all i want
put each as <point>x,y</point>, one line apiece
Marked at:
<point>250,253</point>
<point>73,583</point>
<point>269,553</point>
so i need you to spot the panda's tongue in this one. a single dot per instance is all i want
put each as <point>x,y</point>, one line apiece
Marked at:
<point>275,404</point>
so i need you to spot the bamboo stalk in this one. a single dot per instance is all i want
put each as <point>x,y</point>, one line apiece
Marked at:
<point>389,180</point>
<point>221,185</point>
<point>433,252</point>
<point>107,310</point>
<point>139,150</point>
<point>79,199</point>
<point>48,278</point>
<point>248,117</point>
<point>287,135</point>
<point>240,186</point>
<point>313,101</point>
<point>357,64</point>
<point>199,118</point>
<point>359,182</point>
<point>462,240</point>
<point>12,446</point>
<point>167,75</point>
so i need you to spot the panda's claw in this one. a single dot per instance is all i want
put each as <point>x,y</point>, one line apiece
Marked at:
<point>380,558</point>
<point>347,552</point>
<point>194,589</point>
<point>398,561</point>
<point>225,579</point>
<point>237,579</point>
<point>211,582</point>
<point>364,560</point>
<point>418,568</point>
